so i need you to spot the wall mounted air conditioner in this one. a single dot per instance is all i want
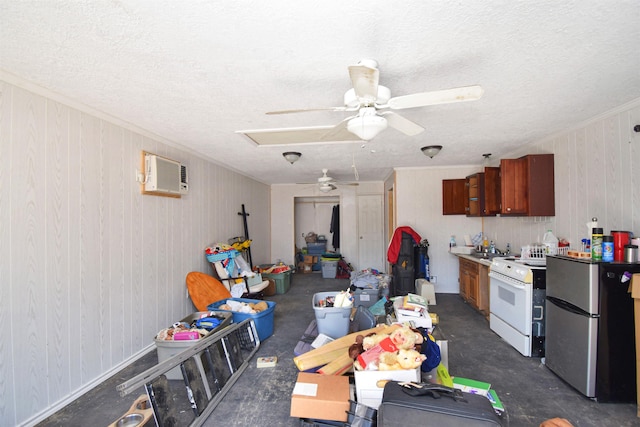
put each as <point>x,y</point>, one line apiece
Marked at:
<point>164,176</point>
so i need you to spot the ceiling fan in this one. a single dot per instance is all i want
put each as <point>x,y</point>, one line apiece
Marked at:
<point>370,101</point>
<point>326,183</point>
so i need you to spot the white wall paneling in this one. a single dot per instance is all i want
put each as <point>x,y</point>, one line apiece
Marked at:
<point>597,174</point>
<point>419,206</point>
<point>91,269</point>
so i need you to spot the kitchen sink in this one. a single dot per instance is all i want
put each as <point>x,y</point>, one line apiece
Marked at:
<point>485,255</point>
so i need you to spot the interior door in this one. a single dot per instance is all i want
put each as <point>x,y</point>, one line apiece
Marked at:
<point>371,249</point>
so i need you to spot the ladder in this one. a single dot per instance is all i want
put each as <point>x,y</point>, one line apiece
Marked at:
<point>209,369</point>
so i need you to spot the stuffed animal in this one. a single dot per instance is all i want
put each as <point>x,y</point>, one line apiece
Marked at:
<point>368,355</point>
<point>406,338</point>
<point>410,359</point>
<point>244,307</point>
<point>388,361</point>
<point>372,340</point>
<point>356,348</point>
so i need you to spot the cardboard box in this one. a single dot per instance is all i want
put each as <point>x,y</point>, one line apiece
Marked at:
<point>635,294</point>
<point>304,267</point>
<point>310,259</point>
<point>324,397</point>
<point>369,391</point>
<point>468,385</point>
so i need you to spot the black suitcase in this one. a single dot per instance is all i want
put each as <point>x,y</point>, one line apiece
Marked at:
<point>434,405</point>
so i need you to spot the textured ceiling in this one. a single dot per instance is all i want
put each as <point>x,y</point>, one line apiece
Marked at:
<point>196,72</point>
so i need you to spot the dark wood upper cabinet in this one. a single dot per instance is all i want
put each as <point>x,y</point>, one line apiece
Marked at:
<point>527,186</point>
<point>492,190</point>
<point>484,192</point>
<point>453,196</point>
<point>475,193</point>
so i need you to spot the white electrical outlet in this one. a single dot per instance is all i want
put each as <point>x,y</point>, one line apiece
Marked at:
<point>433,279</point>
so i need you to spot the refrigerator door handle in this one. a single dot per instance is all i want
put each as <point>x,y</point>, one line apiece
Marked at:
<point>569,307</point>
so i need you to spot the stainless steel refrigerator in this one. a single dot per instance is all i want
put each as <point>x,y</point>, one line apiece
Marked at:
<point>590,327</point>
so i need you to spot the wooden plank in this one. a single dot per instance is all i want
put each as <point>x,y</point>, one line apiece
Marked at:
<point>339,366</point>
<point>321,356</point>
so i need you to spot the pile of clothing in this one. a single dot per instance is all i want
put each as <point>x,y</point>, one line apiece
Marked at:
<point>370,279</point>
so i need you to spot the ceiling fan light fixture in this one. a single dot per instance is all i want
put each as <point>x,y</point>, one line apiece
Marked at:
<point>367,126</point>
<point>325,188</point>
<point>431,150</point>
<point>292,156</point>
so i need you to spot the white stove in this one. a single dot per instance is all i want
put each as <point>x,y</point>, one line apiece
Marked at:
<point>517,301</point>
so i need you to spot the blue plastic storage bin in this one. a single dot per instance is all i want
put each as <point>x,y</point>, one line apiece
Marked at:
<point>317,248</point>
<point>262,320</point>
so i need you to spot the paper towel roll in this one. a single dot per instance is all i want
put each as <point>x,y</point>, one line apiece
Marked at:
<point>636,241</point>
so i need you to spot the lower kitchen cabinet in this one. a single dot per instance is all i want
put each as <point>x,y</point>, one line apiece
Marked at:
<point>474,284</point>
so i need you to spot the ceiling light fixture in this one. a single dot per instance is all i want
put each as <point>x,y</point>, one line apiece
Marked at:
<point>431,150</point>
<point>325,188</point>
<point>367,125</point>
<point>487,157</point>
<point>292,156</point>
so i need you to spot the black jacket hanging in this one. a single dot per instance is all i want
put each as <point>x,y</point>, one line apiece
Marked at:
<point>335,227</point>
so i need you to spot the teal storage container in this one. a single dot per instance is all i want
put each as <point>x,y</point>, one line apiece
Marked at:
<point>283,280</point>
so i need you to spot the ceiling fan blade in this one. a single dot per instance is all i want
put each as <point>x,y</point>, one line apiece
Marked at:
<point>303,135</point>
<point>338,130</point>
<point>446,96</point>
<point>402,124</point>
<point>365,82</point>
<point>306,110</point>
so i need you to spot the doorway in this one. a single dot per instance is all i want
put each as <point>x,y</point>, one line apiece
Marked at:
<point>314,214</point>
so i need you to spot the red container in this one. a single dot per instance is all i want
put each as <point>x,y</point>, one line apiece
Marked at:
<point>620,238</point>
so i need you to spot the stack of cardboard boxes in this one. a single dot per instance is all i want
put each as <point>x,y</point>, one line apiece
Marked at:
<point>306,265</point>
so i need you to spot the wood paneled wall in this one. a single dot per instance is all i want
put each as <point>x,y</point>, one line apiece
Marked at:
<point>597,174</point>
<point>90,269</point>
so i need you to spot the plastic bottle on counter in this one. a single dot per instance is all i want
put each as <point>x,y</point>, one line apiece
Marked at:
<point>452,242</point>
<point>492,247</point>
<point>607,248</point>
<point>596,244</point>
<point>550,243</point>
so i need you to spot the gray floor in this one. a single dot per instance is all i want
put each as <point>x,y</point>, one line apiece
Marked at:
<point>530,392</point>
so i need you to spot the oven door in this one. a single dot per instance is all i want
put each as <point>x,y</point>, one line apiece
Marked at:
<point>510,305</point>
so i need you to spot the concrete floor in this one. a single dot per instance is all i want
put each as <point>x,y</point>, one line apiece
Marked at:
<point>261,397</point>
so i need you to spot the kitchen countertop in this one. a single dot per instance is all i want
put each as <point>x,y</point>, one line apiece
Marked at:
<point>482,261</point>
